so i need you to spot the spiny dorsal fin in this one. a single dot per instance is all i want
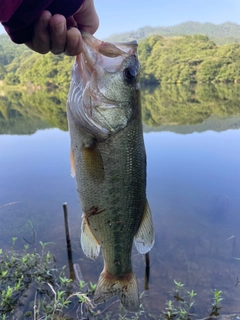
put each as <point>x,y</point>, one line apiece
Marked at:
<point>144,238</point>
<point>89,243</point>
<point>124,287</point>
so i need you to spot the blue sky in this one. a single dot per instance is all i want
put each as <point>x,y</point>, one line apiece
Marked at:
<point>128,15</point>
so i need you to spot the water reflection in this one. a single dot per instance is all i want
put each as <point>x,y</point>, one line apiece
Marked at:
<point>193,189</point>
<point>172,105</point>
<point>178,108</point>
<point>23,112</point>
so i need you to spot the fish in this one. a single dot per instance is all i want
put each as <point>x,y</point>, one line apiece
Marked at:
<point>108,160</point>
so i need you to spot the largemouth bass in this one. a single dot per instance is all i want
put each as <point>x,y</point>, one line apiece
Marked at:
<point>109,162</point>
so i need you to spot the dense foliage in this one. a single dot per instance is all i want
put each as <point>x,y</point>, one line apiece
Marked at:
<point>174,58</point>
<point>188,59</point>
<point>39,70</point>
<point>24,112</point>
<point>9,50</point>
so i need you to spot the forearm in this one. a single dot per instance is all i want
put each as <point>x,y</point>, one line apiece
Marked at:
<point>19,16</point>
<point>7,8</point>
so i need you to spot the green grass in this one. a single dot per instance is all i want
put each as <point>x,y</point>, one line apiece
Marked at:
<point>32,287</point>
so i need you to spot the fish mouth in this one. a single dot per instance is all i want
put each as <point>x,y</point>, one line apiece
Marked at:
<point>97,55</point>
<point>101,53</point>
<point>88,90</point>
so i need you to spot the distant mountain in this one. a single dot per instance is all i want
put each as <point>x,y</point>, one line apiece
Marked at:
<point>224,33</point>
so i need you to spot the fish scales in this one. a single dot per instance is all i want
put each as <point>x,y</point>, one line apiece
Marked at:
<point>110,165</point>
<point>121,194</point>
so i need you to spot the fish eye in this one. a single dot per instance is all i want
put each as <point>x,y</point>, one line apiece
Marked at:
<point>130,74</point>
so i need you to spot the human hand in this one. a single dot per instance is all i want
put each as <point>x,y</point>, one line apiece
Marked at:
<point>58,35</point>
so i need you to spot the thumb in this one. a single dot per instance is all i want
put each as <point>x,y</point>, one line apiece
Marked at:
<point>86,17</point>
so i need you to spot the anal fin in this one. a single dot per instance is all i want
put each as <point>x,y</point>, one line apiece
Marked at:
<point>144,238</point>
<point>124,287</point>
<point>89,243</point>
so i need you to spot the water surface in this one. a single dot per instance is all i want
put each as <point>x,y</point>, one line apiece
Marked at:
<point>192,140</point>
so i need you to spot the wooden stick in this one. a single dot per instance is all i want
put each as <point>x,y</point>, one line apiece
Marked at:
<point>65,211</point>
<point>147,271</point>
<point>68,240</point>
<point>147,259</point>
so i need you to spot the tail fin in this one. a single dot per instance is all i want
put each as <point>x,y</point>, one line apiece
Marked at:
<point>124,287</point>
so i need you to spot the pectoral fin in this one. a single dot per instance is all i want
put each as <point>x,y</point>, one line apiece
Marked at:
<point>89,243</point>
<point>144,238</point>
<point>72,163</point>
<point>93,163</point>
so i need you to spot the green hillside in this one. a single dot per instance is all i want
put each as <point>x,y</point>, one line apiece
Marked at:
<point>188,59</point>
<point>9,50</point>
<point>173,58</point>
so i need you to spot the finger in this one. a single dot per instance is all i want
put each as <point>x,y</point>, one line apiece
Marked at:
<point>58,32</point>
<point>41,38</point>
<point>86,17</point>
<point>74,42</point>
<point>71,22</point>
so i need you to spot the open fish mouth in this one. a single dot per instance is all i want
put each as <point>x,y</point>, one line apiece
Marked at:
<point>101,64</point>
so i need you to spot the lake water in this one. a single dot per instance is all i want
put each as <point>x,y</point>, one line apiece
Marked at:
<point>192,140</point>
